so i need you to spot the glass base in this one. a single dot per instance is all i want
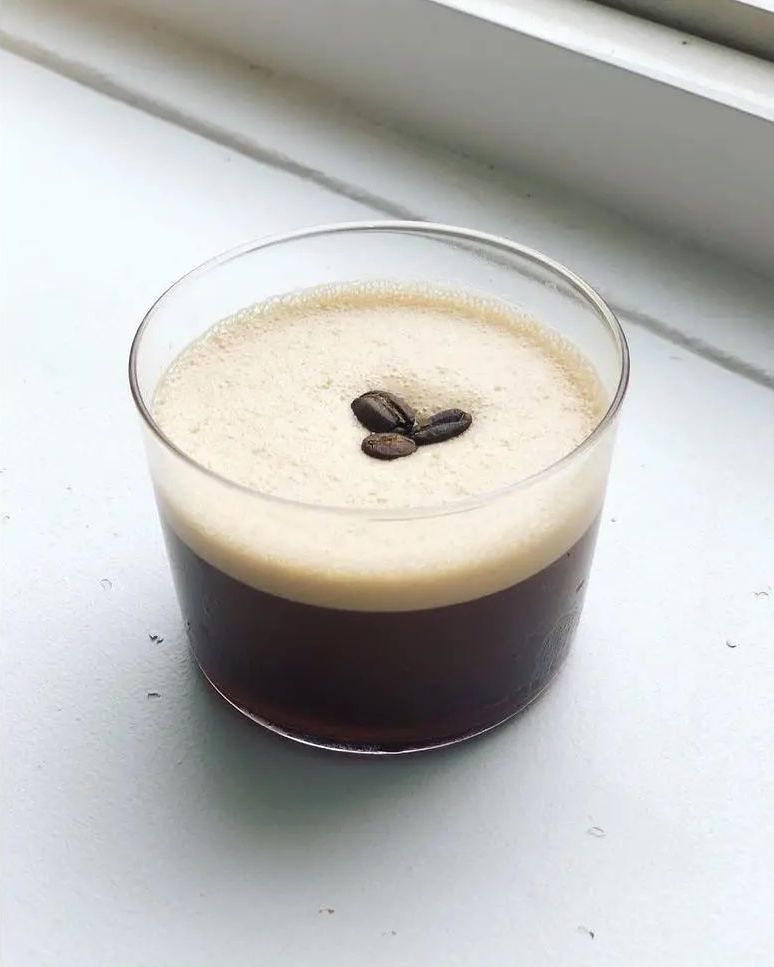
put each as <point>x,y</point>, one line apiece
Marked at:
<point>355,749</point>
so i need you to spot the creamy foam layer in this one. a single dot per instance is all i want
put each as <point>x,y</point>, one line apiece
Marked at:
<point>263,399</point>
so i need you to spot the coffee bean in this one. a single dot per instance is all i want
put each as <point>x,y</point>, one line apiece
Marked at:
<point>381,412</point>
<point>448,416</point>
<point>441,426</point>
<point>388,446</point>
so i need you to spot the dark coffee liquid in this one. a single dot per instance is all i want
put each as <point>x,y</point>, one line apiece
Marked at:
<point>380,681</point>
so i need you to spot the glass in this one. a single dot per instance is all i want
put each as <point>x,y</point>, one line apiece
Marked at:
<point>380,631</point>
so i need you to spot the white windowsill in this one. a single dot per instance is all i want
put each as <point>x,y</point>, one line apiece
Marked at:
<point>650,279</point>
<point>672,131</point>
<point>167,831</point>
<point>638,46</point>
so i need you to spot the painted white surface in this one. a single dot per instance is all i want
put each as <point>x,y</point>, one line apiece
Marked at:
<point>166,830</point>
<point>649,278</point>
<point>519,91</point>
<point>670,56</point>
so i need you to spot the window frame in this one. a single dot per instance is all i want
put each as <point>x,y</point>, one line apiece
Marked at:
<point>745,25</point>
<point>675,134</point>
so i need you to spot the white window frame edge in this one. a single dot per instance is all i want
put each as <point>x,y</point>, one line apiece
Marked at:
<point>747,25</point>
<point>636,45</point>
<point>676,132</point>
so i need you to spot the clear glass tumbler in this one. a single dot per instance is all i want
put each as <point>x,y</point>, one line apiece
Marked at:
<point>374,631</point>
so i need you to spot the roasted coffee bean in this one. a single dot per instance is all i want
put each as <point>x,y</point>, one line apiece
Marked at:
<point>388,446</point>
<point>381,412</point>
<point>448,416</point>
<point>441,426</point>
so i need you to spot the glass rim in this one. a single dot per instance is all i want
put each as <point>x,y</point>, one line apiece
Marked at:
<point>397,227</point>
